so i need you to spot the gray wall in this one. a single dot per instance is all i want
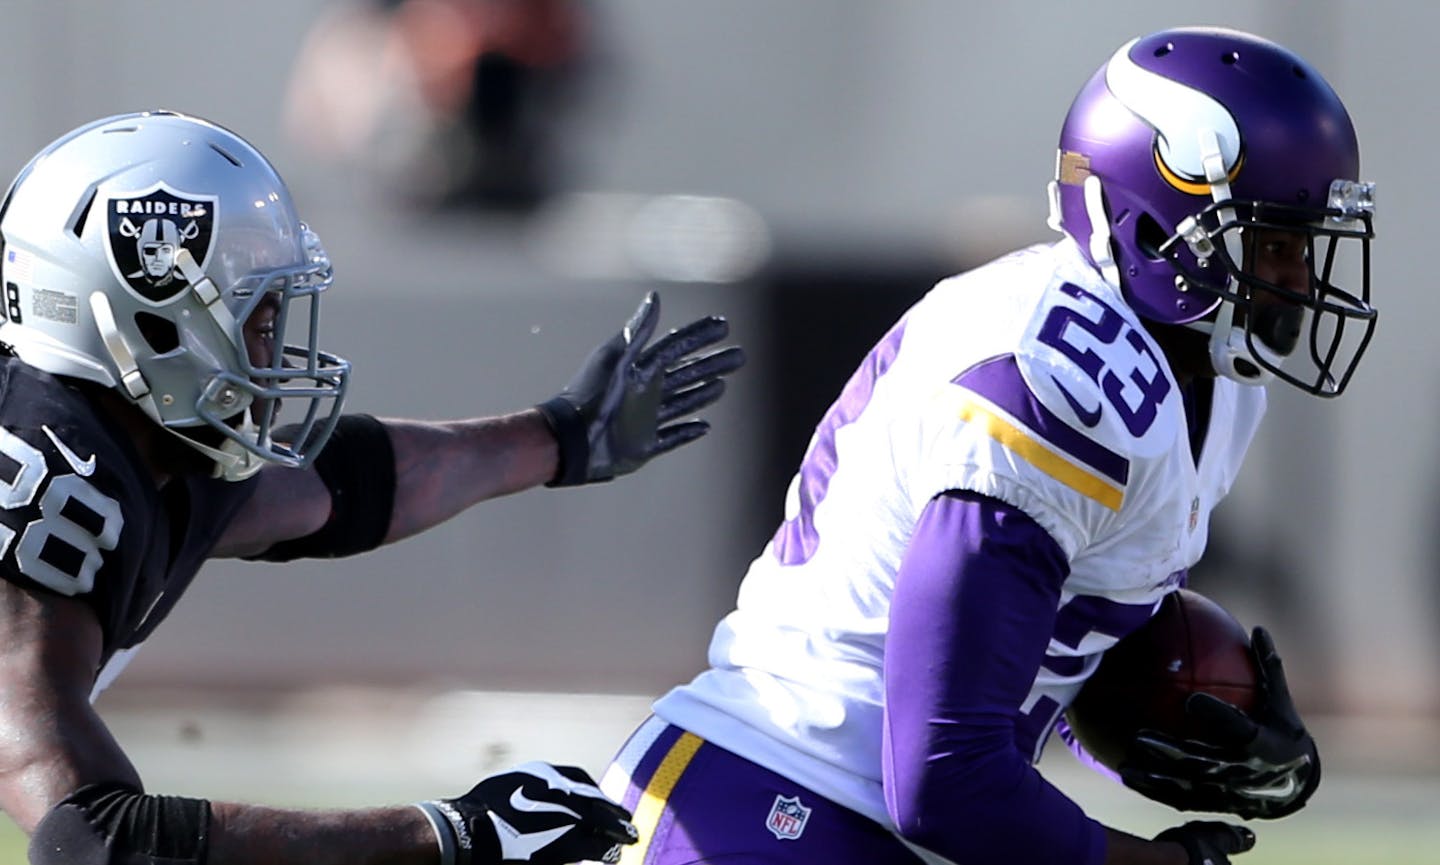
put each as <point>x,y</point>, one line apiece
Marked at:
<point>858,127</point>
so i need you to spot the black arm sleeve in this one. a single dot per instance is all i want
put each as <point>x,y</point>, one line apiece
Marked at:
<point>357,465</point>
<point>107,824</point>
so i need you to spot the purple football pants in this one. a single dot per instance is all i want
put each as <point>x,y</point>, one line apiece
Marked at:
<point>695,803</point>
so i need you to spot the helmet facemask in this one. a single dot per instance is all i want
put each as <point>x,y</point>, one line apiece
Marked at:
<point>244,403</point>
<point>1260,329</point>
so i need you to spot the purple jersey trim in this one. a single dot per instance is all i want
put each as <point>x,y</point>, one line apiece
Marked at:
<point>797,538</point>
<point>975,604</point>
<point>999,381</point>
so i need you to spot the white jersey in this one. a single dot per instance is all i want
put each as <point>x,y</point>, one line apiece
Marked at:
<point>1028,380</point>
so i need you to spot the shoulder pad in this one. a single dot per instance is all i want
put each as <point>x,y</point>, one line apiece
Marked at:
<point>1007,408</point>
<point>1093,365</point>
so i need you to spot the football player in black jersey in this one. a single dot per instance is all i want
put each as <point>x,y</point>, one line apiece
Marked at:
<point>161,300</point>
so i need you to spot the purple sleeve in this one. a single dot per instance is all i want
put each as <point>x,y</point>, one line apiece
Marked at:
<point>973,611</point>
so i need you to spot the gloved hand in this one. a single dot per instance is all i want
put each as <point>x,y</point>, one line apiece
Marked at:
<point>536,813</point>
<point>1262,767</point>
<point>616,414</point>
<point>1209,843</point>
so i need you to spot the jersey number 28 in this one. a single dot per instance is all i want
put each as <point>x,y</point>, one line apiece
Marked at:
<point>61,547</point>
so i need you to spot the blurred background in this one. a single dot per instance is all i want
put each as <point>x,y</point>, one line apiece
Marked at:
<point>500,181</point>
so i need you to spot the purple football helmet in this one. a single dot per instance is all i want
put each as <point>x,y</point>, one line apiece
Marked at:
<point>1177,153</point>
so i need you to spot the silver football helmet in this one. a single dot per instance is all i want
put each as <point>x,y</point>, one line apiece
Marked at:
<point>135,250</point>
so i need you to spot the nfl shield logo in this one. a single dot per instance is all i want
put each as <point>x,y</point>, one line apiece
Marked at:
<point>787,818</point>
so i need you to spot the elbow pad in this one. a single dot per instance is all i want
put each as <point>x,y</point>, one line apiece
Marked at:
<point>115,824</point>
<point>357,465</point>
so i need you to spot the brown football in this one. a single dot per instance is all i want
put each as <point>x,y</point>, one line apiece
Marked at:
<point>1191,644</point>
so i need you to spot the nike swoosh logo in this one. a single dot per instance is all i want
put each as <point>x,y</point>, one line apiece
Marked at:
<point>83,468</point>
<point>1089,417</point>
<point>1281,790</point>
<point>520,802</point>
<point>518,845</point>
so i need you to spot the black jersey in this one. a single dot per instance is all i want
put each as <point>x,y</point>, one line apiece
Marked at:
<point>80,515</point>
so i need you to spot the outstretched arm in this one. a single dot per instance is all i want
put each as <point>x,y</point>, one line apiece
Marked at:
<point>632,400</point>
<point>625,407</point>
<point>52,743</point>
<point>67,783</point>
<point>443,468</point>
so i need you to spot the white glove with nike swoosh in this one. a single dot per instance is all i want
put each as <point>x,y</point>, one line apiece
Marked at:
<point>535,813</point>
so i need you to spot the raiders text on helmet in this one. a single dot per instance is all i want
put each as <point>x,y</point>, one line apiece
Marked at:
<point>148,228</point>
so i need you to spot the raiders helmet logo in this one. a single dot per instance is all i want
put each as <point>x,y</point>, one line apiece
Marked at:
<point>148,228</point>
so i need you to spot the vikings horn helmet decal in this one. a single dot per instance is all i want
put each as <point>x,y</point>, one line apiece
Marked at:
<point>1171,109</point>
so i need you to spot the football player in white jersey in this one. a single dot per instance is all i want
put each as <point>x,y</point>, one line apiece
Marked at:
<point>154,265</point>
<point>1010,482</point>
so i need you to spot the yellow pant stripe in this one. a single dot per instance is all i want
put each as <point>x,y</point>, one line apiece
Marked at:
<point>652,802</point>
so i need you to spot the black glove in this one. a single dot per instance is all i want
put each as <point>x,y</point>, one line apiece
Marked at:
<point>615,415</point>
<point>1262,767</point>
<point>536,813</point>
<point>1209,843</point>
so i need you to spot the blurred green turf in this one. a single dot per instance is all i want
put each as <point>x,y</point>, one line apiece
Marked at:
<point>12,842</point>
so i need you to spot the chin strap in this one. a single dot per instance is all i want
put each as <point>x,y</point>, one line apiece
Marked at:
<point>1230,349</point>
<point>1100,251</point>
<point>131,379</point>
<point>232,461</point>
